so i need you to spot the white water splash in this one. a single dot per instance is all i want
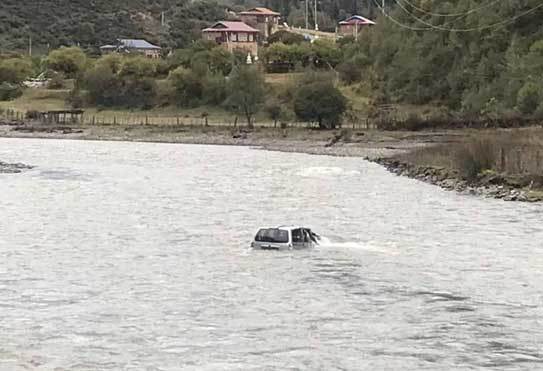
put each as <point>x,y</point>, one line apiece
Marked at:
<point>371,246</point>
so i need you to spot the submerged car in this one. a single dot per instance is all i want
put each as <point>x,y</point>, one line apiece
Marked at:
<point>285,238</point>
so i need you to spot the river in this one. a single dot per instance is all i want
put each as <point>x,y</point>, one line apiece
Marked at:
<point>134,256</point>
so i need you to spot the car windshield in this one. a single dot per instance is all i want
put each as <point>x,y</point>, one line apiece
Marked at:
<point>272,235</point>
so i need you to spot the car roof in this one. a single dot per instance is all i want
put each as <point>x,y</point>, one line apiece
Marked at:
<point>291,227</point>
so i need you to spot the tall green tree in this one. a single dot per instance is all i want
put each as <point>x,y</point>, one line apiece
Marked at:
<point>246,91</point>
<point>69,61</point>
<point>320,102</point>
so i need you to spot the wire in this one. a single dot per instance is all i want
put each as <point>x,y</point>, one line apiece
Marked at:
<point>451,14</point>
<point>432,26</point>
<point>398,22</point>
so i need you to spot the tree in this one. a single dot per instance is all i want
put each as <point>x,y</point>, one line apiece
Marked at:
<point>274,110</point>
<point>246,91</point>
<point>321,102</point>
<point>14,70</point>
<point>188,86</point>
<point>286,37</point>
<point>69,61</point>
<point>528,98</point>
<point>138,67</point>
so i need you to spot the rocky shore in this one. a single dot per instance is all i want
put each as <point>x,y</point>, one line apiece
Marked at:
<point>492,185</point>
<point>6,168</point>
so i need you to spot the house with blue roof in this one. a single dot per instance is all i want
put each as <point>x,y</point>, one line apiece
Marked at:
<point>133,46</point>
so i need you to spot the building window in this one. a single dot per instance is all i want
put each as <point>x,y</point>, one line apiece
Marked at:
<point>243,37</point>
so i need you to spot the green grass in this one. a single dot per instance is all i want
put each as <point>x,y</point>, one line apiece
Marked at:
<point>49,100</point>
<point>38,99</point>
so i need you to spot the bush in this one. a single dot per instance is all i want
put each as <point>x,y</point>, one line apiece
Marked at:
<point>75,99</point>
<point>15,70</point>
<point>274,110</point>
<point>9,91</point>
<point>56,82</point>
<point>32,115</point>
<point>528,98</point>
<point>69,61</point>
<point>320,102</point>
<point>214,89</point>
<point>349,72</point>
<point>474,158</point>
<point>188,87</point>
<point>286,37</point>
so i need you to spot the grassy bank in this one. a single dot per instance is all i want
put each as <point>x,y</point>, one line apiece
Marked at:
<point>501,163</point>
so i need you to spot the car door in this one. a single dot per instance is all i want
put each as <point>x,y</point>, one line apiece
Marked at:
<point>297,238</point>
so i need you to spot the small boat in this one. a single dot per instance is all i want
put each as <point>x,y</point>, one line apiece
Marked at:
<point>285,238</point>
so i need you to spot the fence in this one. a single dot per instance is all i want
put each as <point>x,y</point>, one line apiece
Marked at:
<point>140,118</point>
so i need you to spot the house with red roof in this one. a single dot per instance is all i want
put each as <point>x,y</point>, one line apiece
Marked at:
<point>263,19</point>
<point>352,25</point>
<point>234,35</point>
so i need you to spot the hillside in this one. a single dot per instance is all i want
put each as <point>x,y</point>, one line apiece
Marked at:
<point>91,23</point>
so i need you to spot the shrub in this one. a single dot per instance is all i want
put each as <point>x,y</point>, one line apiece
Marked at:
<point>286,37</point>
<point>15,70</point>
<point>528,98</point>
<point>75,99</point>
<point>69,61</point>
<point>473,158</point>
<point>321,102</point>
<point>32,115</point>
<point>349,72</point>
<point>214,89</point>
<point>274,110</point>
<point>56,82</point>
<point>188,87</point>
<point>9,91</point>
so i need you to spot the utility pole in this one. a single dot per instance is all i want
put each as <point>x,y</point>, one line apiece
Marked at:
<point>306,14</point>
<point>30,45</point>
<point>383,7</point>
<point>162,19</point>
<point>316,23</point>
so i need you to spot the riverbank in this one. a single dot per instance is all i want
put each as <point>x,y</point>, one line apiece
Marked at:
<point>427,156</point>
<point>371,144</point>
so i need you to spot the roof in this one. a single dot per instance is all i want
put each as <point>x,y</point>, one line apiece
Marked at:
<point>358,19</point>
<point>290,227</point>
<point>260,11</point>
<point>230,26</point>
<point>137,44</point>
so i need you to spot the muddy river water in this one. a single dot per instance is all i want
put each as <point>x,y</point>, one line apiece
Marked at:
<point>134,256</point>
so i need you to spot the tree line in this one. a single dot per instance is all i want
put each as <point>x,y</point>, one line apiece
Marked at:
<point>202,75</point>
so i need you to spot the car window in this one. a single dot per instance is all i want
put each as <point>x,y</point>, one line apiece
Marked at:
<point>272,235</point>
<point>297,236</point>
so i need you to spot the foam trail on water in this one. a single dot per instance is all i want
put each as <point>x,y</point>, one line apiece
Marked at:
<point>384,248</point>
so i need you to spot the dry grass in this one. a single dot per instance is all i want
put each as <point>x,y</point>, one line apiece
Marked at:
<point>509,151</point>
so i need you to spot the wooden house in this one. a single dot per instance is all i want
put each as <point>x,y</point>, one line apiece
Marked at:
<point>263,19</point>
<point>133,46</point>
<point>234,36</point>
<point>352,25</point>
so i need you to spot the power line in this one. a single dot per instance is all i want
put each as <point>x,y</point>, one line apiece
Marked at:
<point>398,22</point>
<point>451,14</point>
<point>436,27</point>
